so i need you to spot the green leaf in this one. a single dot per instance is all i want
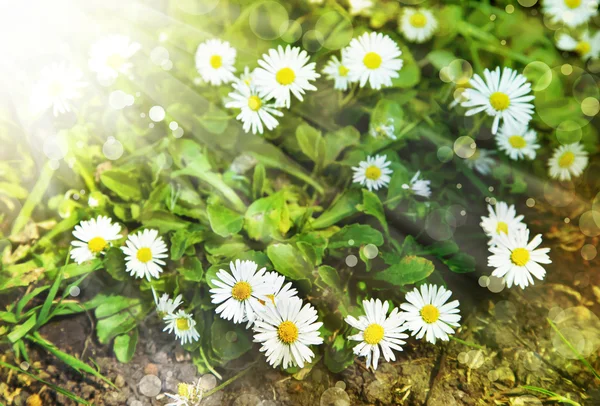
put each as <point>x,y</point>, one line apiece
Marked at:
<point>163,221</point>
<point>330,277</point>
<point>311,143</point>
<point>229,341</point>
<point>22,329</point>
<point>372,206</point>
<point>223,220</point>
<point>358,234</point>
<point>123,183</point>
<point>289,261</point>
<point>191,269</point>
<point>343,207</point>
<point>124,346</point>
<point>258,181</point>
<point>183,239</point>
<point>112,326</point>
<point>339,140</point>
<point>410,74</point>
<point>339,356</point>
<point>440,58</point>
<point>268,218</point>
<point>114,263</point>
<point>388,111</point>
<point>461,263</point>
<point>411,269</point>
<point>35,197</point>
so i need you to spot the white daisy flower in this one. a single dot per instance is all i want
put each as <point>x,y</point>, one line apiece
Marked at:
<point>502,219</point>
<point>278,292</point>
<point>240,293</point>
<point>284,71</point>
<point>383,129</point>
<point>418,25</point>
<point>57,86</point>
<point>360,7</point>
<point>374,58</point>
<point>588,47</point>
<point>165,305</point>
<point>247,77</point>
<point>110,56</point>
<point>183,325</point>
<point>373,173</point>
<point>93,237</point>
<point>517,141</point>
<point>427,313</point>
<point>255,110</point>
<point>568,160</point>
<point>570,12</point>
<point>503,95</point>
<point>143,254</point>
<point>188,394</point>
<point>378,332</point>
<point>93,202</point>
<point>419,187</point>
<point>286,331</point>
<point>215,60</point>
<point>481,161</point>
<point>516,259</point>
<point>336,70</point>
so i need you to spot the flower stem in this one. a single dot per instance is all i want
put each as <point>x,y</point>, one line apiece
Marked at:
<point>229,381</point>
<point>468,344</point>
<point>210,368</point>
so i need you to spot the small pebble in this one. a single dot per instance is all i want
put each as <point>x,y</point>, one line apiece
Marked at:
<point>119,381</point>
<point>150,386</point>
<point>151,369</point>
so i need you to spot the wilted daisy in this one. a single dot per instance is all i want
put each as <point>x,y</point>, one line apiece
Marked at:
<point>110,56</point>
<point>568,160</point>
<point>286,331</point>
<point>255,110</point>
<point>372,173</point>
<point>502,219</point>
<point>427,313</point>
<point>570,12</point>
<point>374,58</point>
<point>518,141</point>
<point>57,86</point>
<point>418,25</point>
<point>378,332</point>
<point>284,71</point>
<point>586,46</point>
<point>143,254</point>
<point>516,259</point>
<point>419,187</point>
<point>93,237</point>
<point>188,394</point>
<point>165,305</point>
<point>335,70</point>
<point>240,293</point>
<point>183,325</point>
<point>503,95</point>
<point>383,129</point>
<point>481,161</point>
<point>215,60</point>
<point>360,7</point>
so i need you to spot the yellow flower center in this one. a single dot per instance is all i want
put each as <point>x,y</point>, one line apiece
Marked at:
<point>183,390</point>
<point>502,227</point>
<point>430,314</point>
<point>55,88</point>
<point>144,254</point>
<point>241,291</point>
<point>418,20</point>
<point>285,76</point>
<point>254,103</point>
<point>373,334</point>
<point>583,48</point>
<point>373,172</point>
<point>97,244</point>
<point>115,61</point>
<point>183,324</point>
<point>343,71</point>
<point>519,256</point>
<point>572,3</point>
<point>516,141</point>
<point>372,60</point>
<point>499,101</point>
<point>287,332</point>
<point>566,159</point>
<point>216,61</point>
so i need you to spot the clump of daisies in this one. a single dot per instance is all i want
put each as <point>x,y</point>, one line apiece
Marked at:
<point>215,60</point>
<point>110,56</point>
<point>93,237</point>
<point>585,45</point>
<point>568,161</point>
<point>572,13</point>
<point>144,253</point>
<point>504,95</point>
<point>517,141</point>
<point>418,25</point>
<point>57,86</point>
<point>373,173</point>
